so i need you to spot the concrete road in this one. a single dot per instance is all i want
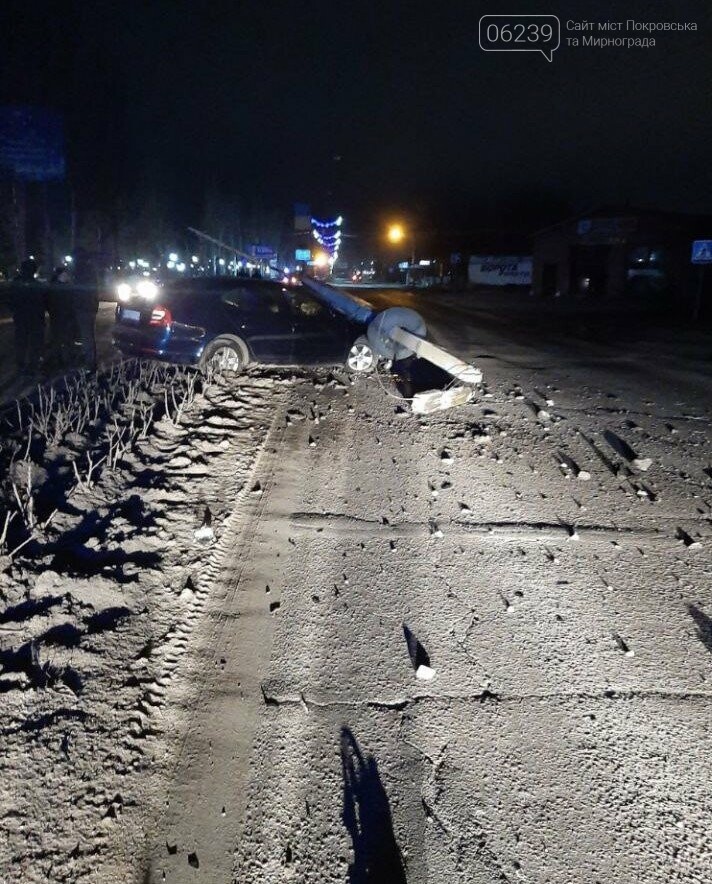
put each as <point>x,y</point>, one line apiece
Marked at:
<point>543,552</point>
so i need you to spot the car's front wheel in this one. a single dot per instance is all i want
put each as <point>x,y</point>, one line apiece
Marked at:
<point>224,356</point>
<point>361,357</point>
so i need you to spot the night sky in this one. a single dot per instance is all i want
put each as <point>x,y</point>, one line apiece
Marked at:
<point>366,109</point>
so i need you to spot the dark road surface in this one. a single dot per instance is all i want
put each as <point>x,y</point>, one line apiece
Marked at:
<point>624,342</point>
<point>471,324</point>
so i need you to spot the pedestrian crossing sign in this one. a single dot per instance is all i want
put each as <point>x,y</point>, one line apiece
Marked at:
<point>702,251</point>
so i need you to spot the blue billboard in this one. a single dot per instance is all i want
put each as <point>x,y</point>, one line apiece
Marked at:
<point>32,143</point>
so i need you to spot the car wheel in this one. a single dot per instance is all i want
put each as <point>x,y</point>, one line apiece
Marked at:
<point>361,357</point>
<point>224,356</point>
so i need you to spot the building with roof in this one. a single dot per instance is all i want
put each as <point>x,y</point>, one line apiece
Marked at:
<point>621,253</point>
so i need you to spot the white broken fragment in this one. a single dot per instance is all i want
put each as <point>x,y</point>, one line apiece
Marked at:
<point>543,415</point>
<point>204,534</point>
<point>438,400</point>
<point>642,463</point>
<point>583,475</point>
<point>424,673</point>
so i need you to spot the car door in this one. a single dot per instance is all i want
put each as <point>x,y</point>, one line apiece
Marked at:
<point>319,332</point>
<point>261,317</point>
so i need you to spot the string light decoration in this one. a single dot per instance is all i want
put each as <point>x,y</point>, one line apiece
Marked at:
<point>328,235</point>
<point>337,222</point>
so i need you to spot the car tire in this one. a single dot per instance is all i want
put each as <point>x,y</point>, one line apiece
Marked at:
<point>361,359</point>
<point>225,356</point>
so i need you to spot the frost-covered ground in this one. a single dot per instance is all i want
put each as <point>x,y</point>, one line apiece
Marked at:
<point>243,704</point>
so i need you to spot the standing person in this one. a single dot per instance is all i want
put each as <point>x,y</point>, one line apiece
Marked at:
<point>61,326</point>
<point>85,300</point>
<point>27,308</point>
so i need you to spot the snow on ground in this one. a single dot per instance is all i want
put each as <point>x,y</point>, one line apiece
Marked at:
<point>233,695</point>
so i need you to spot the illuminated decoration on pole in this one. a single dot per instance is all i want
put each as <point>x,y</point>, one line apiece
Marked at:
<point>337,222</point>
<point>328,236</point>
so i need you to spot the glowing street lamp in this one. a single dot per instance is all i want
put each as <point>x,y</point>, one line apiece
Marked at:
<point>396,233</point>
<point>321,259</point>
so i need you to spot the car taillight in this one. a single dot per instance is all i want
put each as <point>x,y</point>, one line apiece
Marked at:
<point>160,315</point>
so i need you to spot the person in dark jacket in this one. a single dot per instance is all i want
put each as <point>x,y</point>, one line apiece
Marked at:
<point>61,320</point>
<point>27,308</point>
<point>85,301</point>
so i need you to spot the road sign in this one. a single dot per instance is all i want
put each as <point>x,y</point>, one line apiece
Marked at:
<point>261,251</point>
<point>302,218</point>
<point>302,254</point>
<point>702,251</point>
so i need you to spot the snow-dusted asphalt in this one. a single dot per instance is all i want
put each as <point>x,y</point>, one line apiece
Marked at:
<point>545,550</point>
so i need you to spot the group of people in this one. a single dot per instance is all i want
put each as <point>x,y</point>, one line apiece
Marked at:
<point>70,299</point>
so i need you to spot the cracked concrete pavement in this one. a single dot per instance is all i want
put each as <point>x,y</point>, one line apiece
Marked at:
<point>561,593</point>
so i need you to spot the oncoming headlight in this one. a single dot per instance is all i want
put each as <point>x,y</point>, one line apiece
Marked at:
<point>147,289</point>
<point>123,290</point>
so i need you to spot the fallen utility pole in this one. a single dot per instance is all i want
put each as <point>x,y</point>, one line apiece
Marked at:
<point>395,333</point>
<point>220,244</point>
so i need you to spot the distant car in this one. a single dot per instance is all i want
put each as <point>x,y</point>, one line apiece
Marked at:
<point>228,322</point>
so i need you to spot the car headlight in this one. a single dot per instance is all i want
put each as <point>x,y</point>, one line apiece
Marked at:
<point>147,289</point>
<point>123,290</point>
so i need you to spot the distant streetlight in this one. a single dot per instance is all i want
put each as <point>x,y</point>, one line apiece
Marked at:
<point>396,233</point>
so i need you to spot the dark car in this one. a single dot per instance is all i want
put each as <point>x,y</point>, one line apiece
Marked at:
<point>230,322</point>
